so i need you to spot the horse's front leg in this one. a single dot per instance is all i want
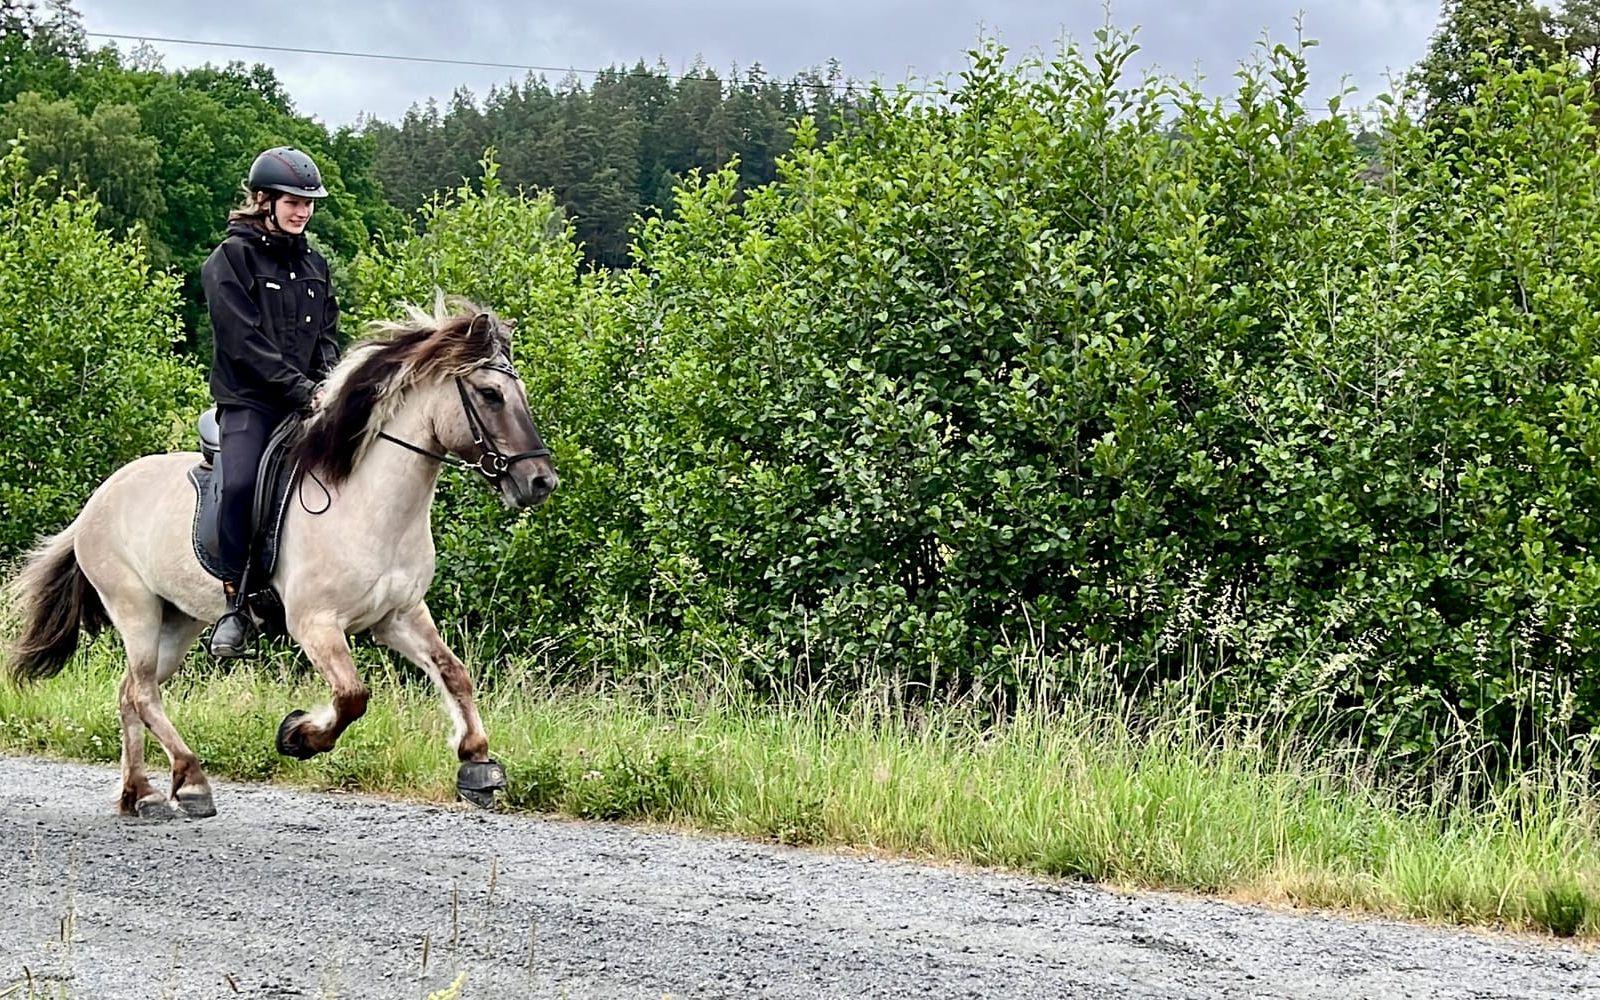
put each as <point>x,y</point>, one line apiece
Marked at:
<point>412,634</point>
<point>306,734</point>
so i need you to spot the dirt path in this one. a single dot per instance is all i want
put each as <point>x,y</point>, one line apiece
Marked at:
<point>289,893</point>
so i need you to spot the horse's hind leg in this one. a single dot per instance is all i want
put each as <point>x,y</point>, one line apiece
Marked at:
<point>154,635</point>
<point>190,789</point>
<point>189,784</point>
<point>137,617</point>
<point>413,635</point>
<point>137,798</point>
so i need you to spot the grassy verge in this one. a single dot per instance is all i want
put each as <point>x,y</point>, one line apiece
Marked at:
<point>1077,793</point>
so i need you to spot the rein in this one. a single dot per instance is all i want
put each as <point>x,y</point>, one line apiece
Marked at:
<point>493,464</point>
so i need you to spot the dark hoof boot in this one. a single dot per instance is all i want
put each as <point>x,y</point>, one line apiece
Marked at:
<point>231,637</point>
<point>290,742</point>
<point>196,805</point>
<point>478,780</point>
<point>154,807</point>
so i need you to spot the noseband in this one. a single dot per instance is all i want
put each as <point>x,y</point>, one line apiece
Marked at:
<point>493,464</point>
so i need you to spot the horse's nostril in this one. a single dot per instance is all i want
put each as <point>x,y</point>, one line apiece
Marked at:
<point>541,484</point>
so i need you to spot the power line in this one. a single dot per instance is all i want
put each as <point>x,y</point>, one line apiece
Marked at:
<point>526,67</point>
<point>533,68</point>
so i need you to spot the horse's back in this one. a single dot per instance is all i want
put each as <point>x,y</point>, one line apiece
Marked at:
<point>140,521</point>
<point>153,478</point>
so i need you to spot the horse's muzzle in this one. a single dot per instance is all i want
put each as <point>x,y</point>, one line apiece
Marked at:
<point>532,492</point>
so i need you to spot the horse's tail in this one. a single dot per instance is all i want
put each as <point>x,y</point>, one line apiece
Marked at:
<point>55,602</point>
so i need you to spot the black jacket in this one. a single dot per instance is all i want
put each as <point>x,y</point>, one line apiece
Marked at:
<point>274,321</point>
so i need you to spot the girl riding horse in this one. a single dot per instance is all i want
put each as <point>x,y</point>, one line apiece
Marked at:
<point>274,326</point>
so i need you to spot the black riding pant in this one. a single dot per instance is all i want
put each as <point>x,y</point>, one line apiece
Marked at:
<point>244,433</point>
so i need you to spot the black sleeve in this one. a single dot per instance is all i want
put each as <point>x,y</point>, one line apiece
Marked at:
<point>327,355</point>
<point>236,326</point>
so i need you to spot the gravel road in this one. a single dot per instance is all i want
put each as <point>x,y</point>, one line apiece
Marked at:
<point>291,894</point>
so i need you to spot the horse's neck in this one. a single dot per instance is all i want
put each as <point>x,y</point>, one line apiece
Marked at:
<point>391,488</point>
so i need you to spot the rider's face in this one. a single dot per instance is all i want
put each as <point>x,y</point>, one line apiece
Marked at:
<point>294,212</point>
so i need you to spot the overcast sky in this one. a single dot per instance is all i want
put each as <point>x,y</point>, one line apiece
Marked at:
<point>1363,40</point>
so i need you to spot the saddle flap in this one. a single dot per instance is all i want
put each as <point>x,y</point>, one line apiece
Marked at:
<point>275,480</point>
<point>207,503</point>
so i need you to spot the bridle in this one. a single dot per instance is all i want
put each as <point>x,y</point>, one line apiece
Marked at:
<point>493,464</point>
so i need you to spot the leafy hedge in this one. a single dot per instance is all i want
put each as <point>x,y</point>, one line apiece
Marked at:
<point>1067,363</point>
<point>88,374</point>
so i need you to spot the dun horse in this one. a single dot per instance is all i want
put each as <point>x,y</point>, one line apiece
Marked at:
<point>435,389</point>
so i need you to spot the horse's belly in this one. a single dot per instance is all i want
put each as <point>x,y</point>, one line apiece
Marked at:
<point>390,593</point>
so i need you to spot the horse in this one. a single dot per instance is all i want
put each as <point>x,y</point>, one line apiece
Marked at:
<point>414,395</point>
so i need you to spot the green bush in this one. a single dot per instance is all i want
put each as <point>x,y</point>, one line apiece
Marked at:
<point>1061,364</point>
<point>88,376</point>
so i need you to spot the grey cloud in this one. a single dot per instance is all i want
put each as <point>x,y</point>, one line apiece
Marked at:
<point>1360,39</point>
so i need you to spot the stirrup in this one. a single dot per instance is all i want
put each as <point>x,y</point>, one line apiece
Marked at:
<point>230,637</point>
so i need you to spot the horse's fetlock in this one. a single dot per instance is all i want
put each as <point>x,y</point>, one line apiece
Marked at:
<point>474,746</point>
<point>351,704</point>
<point>128,803</point>
<point>186,771</point>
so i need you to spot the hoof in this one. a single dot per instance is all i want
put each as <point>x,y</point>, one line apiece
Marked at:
<point>478,780</point>
<point>196,805</point>
<point>154,807</point>
<point>290,743</point>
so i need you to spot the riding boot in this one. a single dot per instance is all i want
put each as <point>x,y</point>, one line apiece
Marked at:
<point>231,636</point>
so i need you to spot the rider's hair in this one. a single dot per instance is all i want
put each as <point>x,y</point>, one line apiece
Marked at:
<point>256,208</point>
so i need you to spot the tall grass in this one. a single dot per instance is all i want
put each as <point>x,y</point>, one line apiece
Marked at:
<point>1091,787</point>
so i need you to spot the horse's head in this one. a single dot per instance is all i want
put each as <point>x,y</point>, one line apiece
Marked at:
<point>447,381</point>
<point>490,424</point>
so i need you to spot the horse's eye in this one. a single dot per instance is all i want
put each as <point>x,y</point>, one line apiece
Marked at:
<point>491,396</point>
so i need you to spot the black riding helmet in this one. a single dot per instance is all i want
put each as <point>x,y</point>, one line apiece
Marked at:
<point>286,169</point>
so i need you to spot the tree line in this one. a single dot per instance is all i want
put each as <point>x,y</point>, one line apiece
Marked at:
<point>164,151</point>
<point>612,151</point>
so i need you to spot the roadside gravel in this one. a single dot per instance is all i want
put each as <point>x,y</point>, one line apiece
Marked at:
<point>297,894</point>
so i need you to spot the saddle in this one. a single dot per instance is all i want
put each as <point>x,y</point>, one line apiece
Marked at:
<point>275,480</point>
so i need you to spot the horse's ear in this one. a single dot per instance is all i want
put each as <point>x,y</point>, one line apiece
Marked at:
<point>510,328</point>
<point>481,328</point>
<point>492,335</point>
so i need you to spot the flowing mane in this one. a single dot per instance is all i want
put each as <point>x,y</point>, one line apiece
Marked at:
<point>366,389</point>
